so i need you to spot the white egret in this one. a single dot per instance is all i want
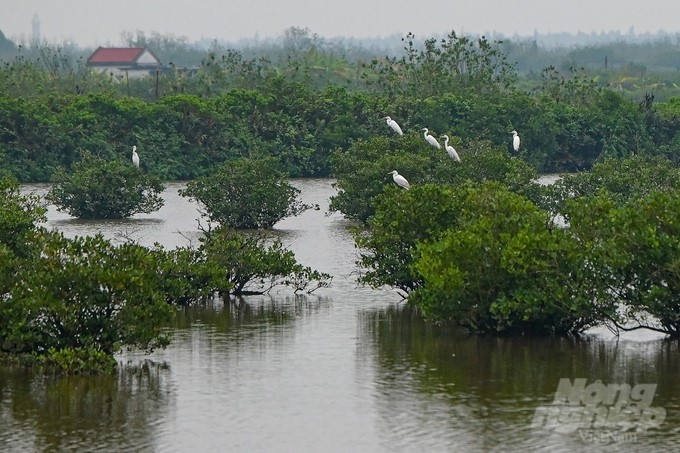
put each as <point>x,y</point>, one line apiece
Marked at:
<point>400,180</point>
<point>449,149</point>
<point>394,125</point>
<point>135,156</point>
<point>430,139</point>
<point>515,141</point>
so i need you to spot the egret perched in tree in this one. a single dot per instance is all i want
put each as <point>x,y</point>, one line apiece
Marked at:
<point>135,156</point>
<point>393,124</point>
<point>515,141</point>
<point>449,149</point>
<point>430,139</point>
<point>400,180</point>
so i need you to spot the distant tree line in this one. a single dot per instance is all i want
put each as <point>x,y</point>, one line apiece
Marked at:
<point>633,63</point>
<point>301,114</point>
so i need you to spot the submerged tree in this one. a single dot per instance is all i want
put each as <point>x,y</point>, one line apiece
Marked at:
<point>72,303</point>
<point>253,264</point>
<point>99,189</point>
<point>246,193</point>
<point>505,268</point>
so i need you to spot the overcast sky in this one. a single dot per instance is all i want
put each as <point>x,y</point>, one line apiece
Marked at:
<point>101,22</point>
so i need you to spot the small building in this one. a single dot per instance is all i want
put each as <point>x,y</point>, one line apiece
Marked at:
<point>119,61</point>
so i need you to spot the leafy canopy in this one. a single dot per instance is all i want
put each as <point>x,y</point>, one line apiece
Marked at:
<point>246,193</point>
<point>504,267</point>
<point>99,189</point>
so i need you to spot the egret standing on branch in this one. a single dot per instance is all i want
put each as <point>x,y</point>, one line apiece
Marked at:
<point>400,180</point>
<point>135,156</point>
<point>515,141</point>
<point>393,124</point>
<point>430,139</point>
<point>449,149</point>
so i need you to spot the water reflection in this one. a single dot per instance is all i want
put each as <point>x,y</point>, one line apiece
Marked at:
<point>233,314</point>
<point>173,225</point>
<point>474,393</point>
<point>263,374</point>
<point>348,370</point>
<point>76,413</point>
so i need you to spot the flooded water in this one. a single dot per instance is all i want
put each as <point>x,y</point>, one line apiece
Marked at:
<point>345,369</point>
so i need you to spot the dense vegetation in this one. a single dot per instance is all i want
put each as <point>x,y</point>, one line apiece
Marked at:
<point>489,258</point>
<point>246,194</point>
<point>70,304</point>
<point>475,242</point>
<point>231,106</point>
<point>100,189</point>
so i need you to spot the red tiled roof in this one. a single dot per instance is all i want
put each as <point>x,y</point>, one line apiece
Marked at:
<point>105,55</point>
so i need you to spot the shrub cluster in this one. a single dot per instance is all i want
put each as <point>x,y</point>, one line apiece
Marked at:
<point>494,261</point>
<point>71,303</point>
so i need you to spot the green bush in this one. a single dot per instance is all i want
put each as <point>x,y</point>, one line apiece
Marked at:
<point>183,276</point>
<point>505,268</point>
<point>250,264</point>
<point>19,215</point>
<point>492,261</point>
<point>402,220</point>
<point>83,293</point>
<point>636,249</point>
<point>81,361</point>
<point>623,179</point>
<point>99,189</point>
<point>362,171</point>
<point>245,194</point>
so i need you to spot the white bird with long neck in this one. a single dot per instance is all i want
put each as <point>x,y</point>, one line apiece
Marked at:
<point>515,141</point>
<point>430,139</point>
<point>135,156</point>
<point>400,180</point>
<point>394,125</point>
<point>449,149</point>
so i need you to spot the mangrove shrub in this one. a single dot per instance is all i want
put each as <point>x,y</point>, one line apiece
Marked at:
<point>99,189</point>
<point>252,264</point>
<point>246,193</point>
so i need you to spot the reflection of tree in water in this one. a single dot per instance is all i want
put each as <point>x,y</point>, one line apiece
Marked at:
<point>84,413</point>
<point>219,328</point>
<point>479,392</point>
<point>249,311</point>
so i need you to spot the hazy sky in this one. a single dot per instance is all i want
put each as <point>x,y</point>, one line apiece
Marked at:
<point>99,22</point>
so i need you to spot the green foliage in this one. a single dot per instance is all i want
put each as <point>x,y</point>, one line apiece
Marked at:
<point>69,304</point>
<point>455,64</point>
<point>310,104</point>
<point>503,267</point>
<point>99,189</point>
<point>362,172</point>
<point>635,247</point>
<point>19,215</point>
<point>81,361</point>
<point>247,264</point>
<point>402,220</point>
<point>652,278</point>
<point>623,179</point>
<point>246,193</point>
<point>83,293</point>
<point>492,261</point>
<point>593,122</point>
<point>41,70</point>
<point>183,276</point>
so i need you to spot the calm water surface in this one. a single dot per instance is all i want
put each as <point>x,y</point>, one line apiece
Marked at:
<point>345,369</point>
